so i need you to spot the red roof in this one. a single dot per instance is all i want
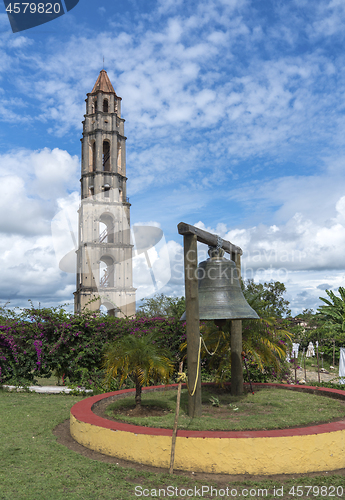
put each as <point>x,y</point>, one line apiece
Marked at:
<point>103,84</point>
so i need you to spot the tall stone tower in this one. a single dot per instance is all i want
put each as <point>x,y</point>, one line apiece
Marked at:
<point>104,255</point>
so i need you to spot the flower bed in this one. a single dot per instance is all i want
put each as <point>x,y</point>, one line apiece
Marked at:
<point>282,451</point>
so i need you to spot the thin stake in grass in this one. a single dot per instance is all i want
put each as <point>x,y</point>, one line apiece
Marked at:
<point>295,366</point>
<point>305,369</point>
<point>173,441</point>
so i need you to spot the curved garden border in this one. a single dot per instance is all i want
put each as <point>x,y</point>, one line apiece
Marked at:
<point>282,451</point>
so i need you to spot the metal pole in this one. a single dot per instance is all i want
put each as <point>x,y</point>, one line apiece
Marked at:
<point>192,322</point>
<point>236,344</point>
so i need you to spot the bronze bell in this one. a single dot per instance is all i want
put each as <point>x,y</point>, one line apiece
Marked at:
<point>220,293</point>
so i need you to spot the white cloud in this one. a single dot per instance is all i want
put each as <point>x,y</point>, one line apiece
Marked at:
<point>29,271</point>
<point>31,181</point>
<point>315,195</point>
<point>55,171</point>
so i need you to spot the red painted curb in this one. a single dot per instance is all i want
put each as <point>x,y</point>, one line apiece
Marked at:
<point>82,411</point>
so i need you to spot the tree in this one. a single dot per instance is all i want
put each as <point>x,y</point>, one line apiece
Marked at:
<point>161,305</point>
<point>267,299</point>
<point>264,347</point>
<point>334,310</point>
<point>140,357</point>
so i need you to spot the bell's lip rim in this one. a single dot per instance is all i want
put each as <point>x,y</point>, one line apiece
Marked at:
<point>217,257</point>
<point>254,316</point>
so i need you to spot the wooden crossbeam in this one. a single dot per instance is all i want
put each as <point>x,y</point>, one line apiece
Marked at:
<point>208,238</point>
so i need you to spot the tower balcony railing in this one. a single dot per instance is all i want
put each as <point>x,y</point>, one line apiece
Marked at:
<point>104,281</point>
<point>106,157</point>
<point>103,235</point>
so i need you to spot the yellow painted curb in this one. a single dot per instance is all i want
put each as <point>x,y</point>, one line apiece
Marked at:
<point>308,449</point>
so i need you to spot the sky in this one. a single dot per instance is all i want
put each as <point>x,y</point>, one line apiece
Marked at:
<point>235,121</point>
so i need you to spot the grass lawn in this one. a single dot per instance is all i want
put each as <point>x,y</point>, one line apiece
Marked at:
<point>53,380</point>
<point>35,467</point>
<point>266,409</point>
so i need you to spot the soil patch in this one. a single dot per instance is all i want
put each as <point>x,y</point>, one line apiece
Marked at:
<point>138,411</point>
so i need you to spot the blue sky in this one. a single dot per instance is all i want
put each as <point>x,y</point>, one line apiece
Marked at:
<point>234,121</point>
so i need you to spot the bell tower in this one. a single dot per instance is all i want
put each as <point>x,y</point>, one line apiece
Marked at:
<point>104,255</point>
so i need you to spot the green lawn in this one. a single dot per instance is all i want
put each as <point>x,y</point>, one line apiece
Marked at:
<point>266,409</point>
<point>34,466</point>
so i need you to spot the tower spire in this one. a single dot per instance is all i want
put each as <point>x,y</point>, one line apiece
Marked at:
<point>103,84</point>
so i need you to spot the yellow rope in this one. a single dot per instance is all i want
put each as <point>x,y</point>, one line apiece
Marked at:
<point>182,377</point>
<point>208,352</point>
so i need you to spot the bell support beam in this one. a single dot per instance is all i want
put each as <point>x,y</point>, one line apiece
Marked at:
<point>191,235</point>
<point>192,323</point>
<point>236,346</point>
<point>208,238</point>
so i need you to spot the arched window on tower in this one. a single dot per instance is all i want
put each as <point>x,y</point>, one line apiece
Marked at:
<point>106,228</point>
<point>95,105</point>
<point>106,272</point>
<point>106,190</point>
<point>106,156</point>
<point>105,105</point>
<point>103,232</point>
<point>108,308</point>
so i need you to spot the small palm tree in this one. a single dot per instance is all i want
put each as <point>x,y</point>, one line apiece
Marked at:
<point>140,357</point>
<point>265,345</point>
<point>334,309</point>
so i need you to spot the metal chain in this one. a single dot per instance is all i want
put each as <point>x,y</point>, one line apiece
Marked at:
<point>219,242</point>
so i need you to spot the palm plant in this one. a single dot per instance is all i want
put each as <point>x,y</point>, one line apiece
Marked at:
<point>262,343</point>
<point>334,309</point>
<point>140,357</point>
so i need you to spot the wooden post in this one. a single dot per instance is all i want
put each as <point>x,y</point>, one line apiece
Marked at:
<point>305,369</point>
<point>236,343</point>
<point>173,441</point>
<point>192,322</point>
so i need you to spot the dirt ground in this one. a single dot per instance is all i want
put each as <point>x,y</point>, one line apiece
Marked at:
<point>64,437</point>
<point>312,376</point>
